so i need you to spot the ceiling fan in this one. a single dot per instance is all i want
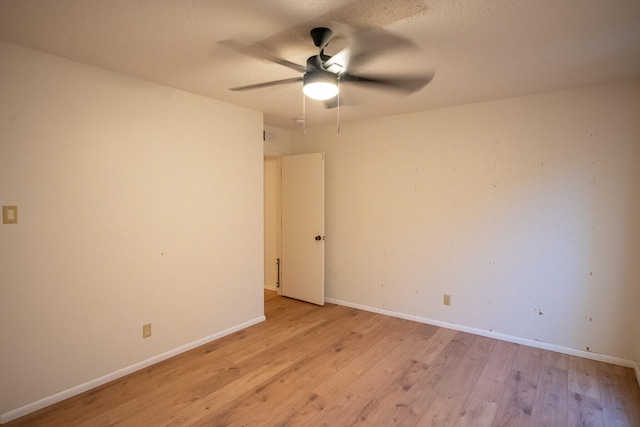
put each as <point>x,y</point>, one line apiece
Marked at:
<point>323,74</point>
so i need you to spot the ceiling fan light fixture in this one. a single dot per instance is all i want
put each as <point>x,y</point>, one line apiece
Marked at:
<point>320,85</point>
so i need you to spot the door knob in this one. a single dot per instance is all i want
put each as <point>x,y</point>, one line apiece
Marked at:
<point>318,237</point>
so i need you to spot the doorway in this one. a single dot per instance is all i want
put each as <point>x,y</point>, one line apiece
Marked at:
<point>272,222</point>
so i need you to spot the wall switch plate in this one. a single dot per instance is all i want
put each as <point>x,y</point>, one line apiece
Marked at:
<point>146,330</point>
<point>447,300</point>
<point>9,214</point>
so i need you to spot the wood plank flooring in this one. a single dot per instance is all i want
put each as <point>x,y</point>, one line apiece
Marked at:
<point>337,366</point>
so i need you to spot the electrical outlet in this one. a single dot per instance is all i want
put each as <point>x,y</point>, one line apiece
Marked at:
<point>447,300</point>
<point>146,330</point>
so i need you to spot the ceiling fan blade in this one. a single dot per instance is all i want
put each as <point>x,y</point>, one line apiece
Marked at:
<point>400,84</point>
<point>333,102</point>
<point>367,46</point>
<point>339,62</point>
<point>267,84</point>
<point>261,53</point>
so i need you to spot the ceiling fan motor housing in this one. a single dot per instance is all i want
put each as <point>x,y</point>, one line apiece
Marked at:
<point>316,62</point>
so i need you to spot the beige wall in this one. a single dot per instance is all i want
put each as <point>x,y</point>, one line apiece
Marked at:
<point>635,229</point>
<point>138,204</point>
<point>525,210</point>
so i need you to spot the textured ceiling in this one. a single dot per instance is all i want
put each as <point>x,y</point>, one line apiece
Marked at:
<point>479,50</point>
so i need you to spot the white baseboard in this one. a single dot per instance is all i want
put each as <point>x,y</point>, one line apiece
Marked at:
<point>50,400</point>
<point>502,337</point>
<point>271,288</point>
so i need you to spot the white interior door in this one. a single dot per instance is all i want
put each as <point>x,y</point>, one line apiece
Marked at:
<point>302,264</point>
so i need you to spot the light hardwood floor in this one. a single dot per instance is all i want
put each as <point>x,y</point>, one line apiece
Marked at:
<point>337,366</point>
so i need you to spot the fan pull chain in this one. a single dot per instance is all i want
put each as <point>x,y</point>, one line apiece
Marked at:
<point>338,82</point>
<point>304,114</point>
